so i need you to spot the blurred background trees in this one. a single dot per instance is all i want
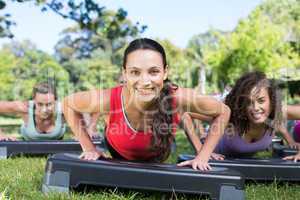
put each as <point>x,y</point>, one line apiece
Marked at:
<point>89,54</point>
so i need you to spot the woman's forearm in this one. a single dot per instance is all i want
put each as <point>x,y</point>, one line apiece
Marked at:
<point>293,112</point>
<point>216,132</point>
<point>190,132</point>
<point>284,132</point>
<point>75,121</point>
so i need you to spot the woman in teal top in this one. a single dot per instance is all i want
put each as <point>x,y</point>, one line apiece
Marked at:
<point>42,116</point>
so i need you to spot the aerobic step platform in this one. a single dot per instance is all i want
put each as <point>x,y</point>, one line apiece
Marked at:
<point>282,151</point>
<point>65,171</point>
<point>258,169</point>
<point>13,148</point>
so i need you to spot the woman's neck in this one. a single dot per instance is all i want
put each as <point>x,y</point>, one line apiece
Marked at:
<point>256,130</point>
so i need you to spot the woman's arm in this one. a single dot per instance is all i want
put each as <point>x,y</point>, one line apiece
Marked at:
<point>13,107</point>
<point>189,129</point>
<point>295,157</point>
<point>91,125</point>
<point>85,102</point>
<point>291,142</point>
<point>190,132</point>
<point>292,111</point>
<point>190,101</point>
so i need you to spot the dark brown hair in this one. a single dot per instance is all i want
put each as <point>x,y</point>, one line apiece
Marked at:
<point>44,88</point>
<point>162,120</point>
<point>238,100</point>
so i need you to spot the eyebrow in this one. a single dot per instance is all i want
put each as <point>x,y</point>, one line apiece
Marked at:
<point>261,97</point>
<point>138,68</point>
<point>132,67</point>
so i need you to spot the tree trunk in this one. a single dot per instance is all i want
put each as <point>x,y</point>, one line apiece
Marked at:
<point>202,78</point>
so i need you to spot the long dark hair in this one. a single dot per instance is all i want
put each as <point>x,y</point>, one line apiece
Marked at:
<point>238,101</point>
<point>162,119</point>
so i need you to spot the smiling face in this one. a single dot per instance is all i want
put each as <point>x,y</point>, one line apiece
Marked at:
<point>44,105</point>
<point>259,109</point>
<point>144,74</point>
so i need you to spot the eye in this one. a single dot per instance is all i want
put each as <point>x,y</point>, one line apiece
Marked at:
<point>154,72</point>
<point>134,72</point>
<point>40,104</point>
<point>261,100</point>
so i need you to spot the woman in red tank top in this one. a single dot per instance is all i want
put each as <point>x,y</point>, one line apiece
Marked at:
<point>143,113</point>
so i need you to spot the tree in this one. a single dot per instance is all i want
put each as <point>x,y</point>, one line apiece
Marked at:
<point>113,35</point>
<point>285,13</point>
<point>22,66</point>
<point>256,44</point>
<point>5,23</point>
<point>195,50</point>
<point>180,68</point>
<point>88,14</point>
<point>92,73</point>
<point>98,31</point>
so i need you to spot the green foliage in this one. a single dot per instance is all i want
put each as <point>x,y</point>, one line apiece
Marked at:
<point>256,44</point>
<point>285,13</point>
<point>195,53</point>
<point>22,66</point>
<point>92,73</point>
<point>5,22</point>
<point>93,57</point>
<point>111,34</point>
<point>90,15</point>
<point>180,68</point>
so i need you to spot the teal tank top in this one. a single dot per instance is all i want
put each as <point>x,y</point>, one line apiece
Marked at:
<point>29,132</point>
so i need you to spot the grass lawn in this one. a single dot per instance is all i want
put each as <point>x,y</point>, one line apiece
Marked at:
<point>21,178</point>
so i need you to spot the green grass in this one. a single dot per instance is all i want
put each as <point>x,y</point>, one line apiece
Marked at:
<point>10,120</point>
<point>21,178</point>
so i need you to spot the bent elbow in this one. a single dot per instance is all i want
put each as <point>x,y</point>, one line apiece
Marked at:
<point>226,111</point>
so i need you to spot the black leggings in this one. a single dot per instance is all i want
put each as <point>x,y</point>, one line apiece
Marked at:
<point>112,151</point>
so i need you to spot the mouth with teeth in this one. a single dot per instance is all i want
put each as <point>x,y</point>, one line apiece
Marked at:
<point>257,116</point>
<point>147,91</point>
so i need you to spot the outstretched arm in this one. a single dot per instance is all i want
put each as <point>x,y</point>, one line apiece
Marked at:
<point>291,142</point>
<point>190,132</point>
<point>189,129</point>
<point>190,101</point>
<point>85,102</point>
<point>91,125</point>
<point>13,107</point>
<point>16,108</point>
<point>292,111</point>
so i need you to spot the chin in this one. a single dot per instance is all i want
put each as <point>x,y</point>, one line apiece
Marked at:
<point>258,121</point>
<point>146,98</point>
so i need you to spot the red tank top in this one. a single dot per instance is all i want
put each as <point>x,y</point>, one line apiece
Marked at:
<point>129,143</point>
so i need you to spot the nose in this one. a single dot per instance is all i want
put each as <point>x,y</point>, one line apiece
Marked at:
<point>255,106</point>
<point>44,108</point>
<point>145,79</point>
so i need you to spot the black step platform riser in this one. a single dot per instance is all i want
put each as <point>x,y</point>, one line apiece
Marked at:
<point>167,179</point>
<point>280,151</point>
<point>134,177</point>
<point>14,148</point>
<point>258,169</point>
